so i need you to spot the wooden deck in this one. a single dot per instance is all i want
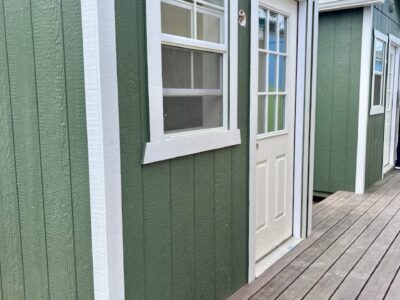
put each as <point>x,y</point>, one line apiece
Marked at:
<point>353,252</point>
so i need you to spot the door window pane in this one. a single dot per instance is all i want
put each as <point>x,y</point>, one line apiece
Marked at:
<point>261,114</point>
<point>272,73</point>
<point>209,28</point>
<point>271,113</point>
<point>262,41</point>
<point>273,35</point>
<point>262,72</point>
<point>281,113</point>
<point>176,20</point>
<point>282,21</point>
<point>282,73</point>
<point>189,113</point>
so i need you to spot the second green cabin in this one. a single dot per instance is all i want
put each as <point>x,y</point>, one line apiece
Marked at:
<point>357,105</point>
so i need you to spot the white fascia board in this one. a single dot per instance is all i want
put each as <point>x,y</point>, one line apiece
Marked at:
<point>330,5</point>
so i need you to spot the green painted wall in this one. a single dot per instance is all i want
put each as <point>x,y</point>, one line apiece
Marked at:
<point>385,22</point>
<point>185,220</point>
<point>45,249</point>
<point>339,57</point>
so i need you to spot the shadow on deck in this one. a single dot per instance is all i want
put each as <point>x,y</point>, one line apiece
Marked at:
<point>352,253</point>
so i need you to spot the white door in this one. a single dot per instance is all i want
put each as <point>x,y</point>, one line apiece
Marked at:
<point>276,117</point>
<point>390,108</point>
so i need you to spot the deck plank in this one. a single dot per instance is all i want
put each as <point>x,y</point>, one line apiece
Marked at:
<point>360,235</point>
<point>393,292</point>
<point>320,233</point>
<point>370,207</point>
<point>379,283</point>
<point>331,209</point>
<point>332,279</point>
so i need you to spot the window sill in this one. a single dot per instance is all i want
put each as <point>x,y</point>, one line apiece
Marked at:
<point>377,110</point>
<point>178,146</point>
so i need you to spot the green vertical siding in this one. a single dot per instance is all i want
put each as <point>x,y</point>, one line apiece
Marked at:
<point>45,249</point>
<point>339,56</point>
<point>185,220</point>
<point>385,22</point>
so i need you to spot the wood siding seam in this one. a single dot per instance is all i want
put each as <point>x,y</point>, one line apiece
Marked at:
<point>40,152</point>
<point>69,147</point>
<point>14,157</point>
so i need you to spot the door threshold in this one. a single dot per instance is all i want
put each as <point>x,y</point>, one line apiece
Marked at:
<point>270,259</point>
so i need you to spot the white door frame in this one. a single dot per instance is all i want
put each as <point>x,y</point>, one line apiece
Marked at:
<point>304,124</point>
<point>394,41</point>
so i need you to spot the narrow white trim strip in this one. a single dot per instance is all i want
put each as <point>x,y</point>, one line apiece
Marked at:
<point>364,100</point>
<point>100,63</point>
<point>329,5</point>
<point>253,137</point>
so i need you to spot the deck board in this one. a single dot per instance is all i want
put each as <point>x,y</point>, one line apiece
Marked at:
<point>354,251</point>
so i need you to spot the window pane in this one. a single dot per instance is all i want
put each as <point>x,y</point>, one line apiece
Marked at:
<point>273,18</point>
<point>261,114</point>
<point>176,67</point>
<point>377,89</point>
<point>207,70</point>
<point>262,72</point>
<point>271,113</point>
<point>379,55</point>
<point>281,112</point>
<point>282,33</point>
<point>272,73</point>
<point>216,2</point>
<point>176,20</point>
<point>184,113</point>
<point>282,73</point>
<point>209,28</point>
<point>262,15</point>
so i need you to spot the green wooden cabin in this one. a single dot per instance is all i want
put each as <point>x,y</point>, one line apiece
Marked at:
<point>145,144</point>
<point>357,94</point>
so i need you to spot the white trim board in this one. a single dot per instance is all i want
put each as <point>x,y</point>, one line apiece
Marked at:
<point>330,5</point>
<point>300,217</point>
<point>364,101</point>
<point>102,114</point>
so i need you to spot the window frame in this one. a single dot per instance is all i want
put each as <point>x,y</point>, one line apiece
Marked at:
<point>164,146</point>
<point>379,109</point>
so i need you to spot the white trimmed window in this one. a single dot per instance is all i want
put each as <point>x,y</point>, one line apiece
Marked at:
<point>192,75</point>
<point>378,74</point>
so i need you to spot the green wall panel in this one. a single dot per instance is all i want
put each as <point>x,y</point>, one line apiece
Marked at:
<point>45,250</point>
<point>185,220</point>
<point>337,100</point>
<point>385,22</point>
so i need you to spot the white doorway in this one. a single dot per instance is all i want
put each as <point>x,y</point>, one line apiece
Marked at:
<point>392,88</point>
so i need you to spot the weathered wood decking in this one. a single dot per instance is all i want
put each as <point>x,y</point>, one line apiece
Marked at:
<point>353,252</point>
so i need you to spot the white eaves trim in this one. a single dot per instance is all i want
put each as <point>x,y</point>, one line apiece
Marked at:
<point>329,5</point>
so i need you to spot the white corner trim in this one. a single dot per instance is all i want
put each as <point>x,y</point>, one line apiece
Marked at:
<point>102,114</point>
<point>364,100</point>
<point>330,5</point>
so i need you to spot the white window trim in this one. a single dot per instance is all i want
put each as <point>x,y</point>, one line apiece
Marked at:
<point>379,109</point>
<point>167,146</point>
